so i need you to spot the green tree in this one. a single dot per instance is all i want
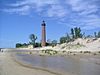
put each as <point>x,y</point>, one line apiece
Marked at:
<point>83,35</point>
<point>33,38</point>
<point>63,40</point>
<point>78,33</point>
<point>95,34</point>
<point>68,38</point>
<point>89,36</point>
<point>72,33</point>
<point>24,45</point>
<point>99,34</point>
<point>18,45</point>
<point>54,43</point>
<point>49,42</point>
<point>37,44</point>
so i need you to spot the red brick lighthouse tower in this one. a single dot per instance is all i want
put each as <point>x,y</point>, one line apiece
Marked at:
<point>43,41</point>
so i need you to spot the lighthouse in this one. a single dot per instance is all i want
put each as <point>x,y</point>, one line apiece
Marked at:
<point>43,41</point>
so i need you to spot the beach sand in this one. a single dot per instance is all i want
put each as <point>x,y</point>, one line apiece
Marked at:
<point>10,67</point>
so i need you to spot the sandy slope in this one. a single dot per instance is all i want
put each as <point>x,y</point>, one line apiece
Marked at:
<point>87,45</point>
<point>10,67</point>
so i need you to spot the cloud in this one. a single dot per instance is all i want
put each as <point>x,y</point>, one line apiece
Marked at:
<point>38,3</point>
<point>83,13</point>
<point>28,5</point>
<point>87,13</point>
<point>22,10</point>
<point>57,11</point>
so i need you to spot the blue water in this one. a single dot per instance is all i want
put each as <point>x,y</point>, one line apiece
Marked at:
<point>63,65</point>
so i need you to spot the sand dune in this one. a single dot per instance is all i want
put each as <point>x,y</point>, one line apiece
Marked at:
<point>80,44</point>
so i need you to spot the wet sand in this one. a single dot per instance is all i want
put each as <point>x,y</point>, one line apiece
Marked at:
<point>23,63</point>
<point>64,65</point>
<point>9,67</point>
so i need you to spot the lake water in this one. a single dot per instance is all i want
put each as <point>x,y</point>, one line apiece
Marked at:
<point>71,65</point>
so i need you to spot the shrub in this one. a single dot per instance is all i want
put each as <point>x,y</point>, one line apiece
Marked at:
<point>54,52</point>
<point>80,51</point>
<point>94,54</point>
<point>63,51</point>
<point>99,52</point>
<point>30,52</point>
<point>87,52</point>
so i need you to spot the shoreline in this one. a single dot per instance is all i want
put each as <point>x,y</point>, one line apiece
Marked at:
<point>10,67</point>
<point>31,67</point>
<point>87,59</point>
<point>45,51</point>
<point>55,52</point>
<point>78,55</point>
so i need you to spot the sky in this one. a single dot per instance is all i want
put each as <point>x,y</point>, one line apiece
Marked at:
<point>20,18</point>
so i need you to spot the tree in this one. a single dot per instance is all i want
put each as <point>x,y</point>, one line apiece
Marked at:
<point>24,44</point>
<point>68,38</point>
<point>89,36</point>
<point>18,45</point>
<point>95,34</point>
<point>49,42</point>
<point>33,39</point>
<point>37,44</point>
<point>54,43</point>
<point>78,33</point>
<point>99,34</point>
<point>63,40</point>
<point>83,35</point>
<point>72,33</point>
